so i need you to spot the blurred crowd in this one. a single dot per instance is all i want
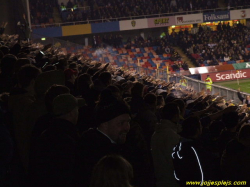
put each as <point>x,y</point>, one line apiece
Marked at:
<point>41,11</point>
<point>68,121</point>
<point>209,48</point>
<point>106,10</point>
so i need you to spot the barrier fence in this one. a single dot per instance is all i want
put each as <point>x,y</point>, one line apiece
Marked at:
<point>197,85</point>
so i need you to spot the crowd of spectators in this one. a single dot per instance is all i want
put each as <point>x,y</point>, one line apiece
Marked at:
<point>73,11</point>
<point>105,10</point>
<point>227,44</point>
<point>68,121</point>
<point>110,9</point>
<point>41,11</point>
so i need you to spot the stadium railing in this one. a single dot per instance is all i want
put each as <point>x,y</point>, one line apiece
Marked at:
<point>195,84</point>
<point>139,17</point>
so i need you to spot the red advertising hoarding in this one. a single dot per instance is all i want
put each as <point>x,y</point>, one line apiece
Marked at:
<point>227,75</point>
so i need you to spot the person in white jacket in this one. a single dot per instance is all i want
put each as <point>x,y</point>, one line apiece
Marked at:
<point>226,58</point>
<point>163,141</point>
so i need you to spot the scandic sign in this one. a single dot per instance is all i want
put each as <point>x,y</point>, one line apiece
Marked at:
<point>227,75</point>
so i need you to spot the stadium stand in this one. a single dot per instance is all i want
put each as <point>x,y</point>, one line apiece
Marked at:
<point>145,53</point>
<point>84,117</point>
<point>227,45</point>
<point>107,10</point>
<point>41,126</point>
<point>41,12</point>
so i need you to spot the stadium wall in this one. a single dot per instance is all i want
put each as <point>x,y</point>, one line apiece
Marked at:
<point>143,23</point>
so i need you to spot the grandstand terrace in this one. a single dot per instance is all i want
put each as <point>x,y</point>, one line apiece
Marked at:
<point>132,102</point>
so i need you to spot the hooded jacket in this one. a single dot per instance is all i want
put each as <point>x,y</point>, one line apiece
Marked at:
<point>162,143</point>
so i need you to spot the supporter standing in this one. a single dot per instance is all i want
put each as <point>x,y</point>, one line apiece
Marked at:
<point>53,156</point>
<point>70,77</point>
<point>21,98</point>
<point>183,82</point>
<point>162,143</point>
<point>235,162</point>
<point>191,161</point>
<point>113,125</point>
<point>208,83</point>
<point>244,100</point>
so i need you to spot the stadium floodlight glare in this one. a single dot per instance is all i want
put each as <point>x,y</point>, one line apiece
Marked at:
<point>43,39</point>
<point>202,70</point>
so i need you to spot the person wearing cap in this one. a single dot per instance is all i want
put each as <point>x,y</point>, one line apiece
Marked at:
<point>112,117</point>
<point>53,156</point>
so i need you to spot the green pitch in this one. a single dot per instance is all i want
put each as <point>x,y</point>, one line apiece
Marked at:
<point>243,84</point>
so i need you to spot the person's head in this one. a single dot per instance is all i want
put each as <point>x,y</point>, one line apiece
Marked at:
<point>112,171</point>
<point>244,135</point>
<point>70,75</point>
<point>182,106</point>
<point>15,49</point>
<point>115,91</point>
<point>171,112</point>
<point>7,64</point>
<point>215,128</point>
<point>191,128</point>
<point>65,106</point>
<point>46,79</point>
<point>113,118</point>
<point>137,89</point>
<point>51,93</point>
<point>208,76</point>
<point>248,97</point>
<point>150,99</point>
<point>105,78</point>
<point>84,81</point>
<point>62,63</point>
<point>74,66</point>
<point>20,62</point>
<point>230,120</point>
<point>27,75</point>
<point>160,101</point>
<point>5,50</point>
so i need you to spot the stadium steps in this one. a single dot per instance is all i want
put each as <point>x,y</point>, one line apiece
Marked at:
<point>57,16</point>
<point>184,57</point>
